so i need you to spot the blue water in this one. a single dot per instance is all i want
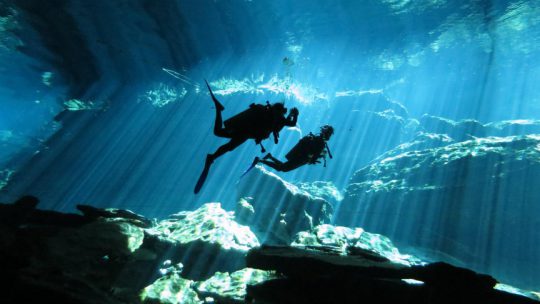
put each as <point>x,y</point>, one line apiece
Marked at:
<point>118,145</point>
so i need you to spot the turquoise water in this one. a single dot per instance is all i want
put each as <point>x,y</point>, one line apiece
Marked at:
<point>104,103</point>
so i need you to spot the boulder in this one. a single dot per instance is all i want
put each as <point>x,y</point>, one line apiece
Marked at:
<point>226,287</point>
<point>94,213</point>
<point>318,276</point>
<point>463,200</point>
<point>204,241</point>
<point>102,258</point>
<point>322,189</point>
<point>275,209</point>
<point>353,241</point>
<point>170,289</point>
<point>67,258</point>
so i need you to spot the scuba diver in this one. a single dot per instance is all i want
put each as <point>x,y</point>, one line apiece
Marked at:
<point>307,151</point>
<point>257,122</point>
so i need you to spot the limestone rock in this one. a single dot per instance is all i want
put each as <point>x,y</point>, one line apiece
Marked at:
<point>113,260</point>
<point>317,276</point>
<point>67,258</point>
<point>459,130</point>
<point>469,128</point>
<point>353,242</point>
<point>196,237</point>
<point>514,127</point>
<point>322,189</point>
<point>231,288</point>
<point>170,289</point>
<point>457,199</point>
<point>421,141</point>
<point>93,213</point>
<point>281,209</point>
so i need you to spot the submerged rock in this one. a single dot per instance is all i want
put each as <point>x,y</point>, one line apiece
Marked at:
<point>353,242</point>
<point>106,256</point>
<point>108,259</point>
<point>231,288</point>
<point>459,199</point>
<point>67,258</point>
<point>204,240</point>
<point>421,141</point>
<point>322,189</point>
<point>170,289</point>
<point>317,276</point>
<point>94,213</point>
<point>275,209</point>
<point>469,128</point>
<point>459,130</point>
<point>514,127</point>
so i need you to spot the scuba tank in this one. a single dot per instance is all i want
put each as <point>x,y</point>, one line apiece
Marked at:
<point>310,147</point>
<point>246,118</point>
<point>251,122</point>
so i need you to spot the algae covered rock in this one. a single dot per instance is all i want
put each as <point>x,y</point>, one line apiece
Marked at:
<point>196,237</point>
<point>170,289</point>
<point>229,287</point>
<point>351,241</point>
<point>211,224</point>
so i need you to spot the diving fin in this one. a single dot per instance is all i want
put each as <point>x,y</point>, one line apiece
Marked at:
<point>203,176</point>
<point>218,104</point>
<point>253,164</point>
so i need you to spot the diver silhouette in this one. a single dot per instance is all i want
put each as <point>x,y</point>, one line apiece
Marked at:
<point>257,122</point>
<point>307,151</point>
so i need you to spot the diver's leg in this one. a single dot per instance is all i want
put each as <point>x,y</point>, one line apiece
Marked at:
<point>281,166</point>
<point>217,104</point>
<point>290,165</point>
<point>271,157</point>
<point>231,145</point>
<point>218,126</point>
<point>274,164</point>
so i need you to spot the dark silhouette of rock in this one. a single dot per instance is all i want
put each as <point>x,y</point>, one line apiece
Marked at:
<point>314,276</point>
<point>94,213</point>
<point>106,255</point>
<point>100,258</point>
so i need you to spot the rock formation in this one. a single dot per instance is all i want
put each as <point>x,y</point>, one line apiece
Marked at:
<point>479,195</point>
<point>115,256</point>
<point>276,209</point>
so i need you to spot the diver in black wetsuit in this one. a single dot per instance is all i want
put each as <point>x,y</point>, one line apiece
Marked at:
<point>257,122</point>
<point>307,151</point>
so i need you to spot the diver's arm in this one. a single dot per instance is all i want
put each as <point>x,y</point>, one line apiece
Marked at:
<point>292,118</point>
<point>328,149</point>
